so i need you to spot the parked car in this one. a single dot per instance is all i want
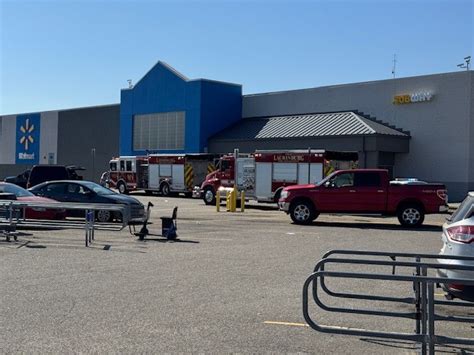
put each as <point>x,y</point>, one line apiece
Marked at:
<point>88,192</point>
<point>458,240</point>
<point>23,195</point>
<point>364,191</point>
<point>20,179</point>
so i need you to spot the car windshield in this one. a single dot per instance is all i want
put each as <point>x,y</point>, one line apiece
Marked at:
<point>100,190</point>
<point>14,189</point>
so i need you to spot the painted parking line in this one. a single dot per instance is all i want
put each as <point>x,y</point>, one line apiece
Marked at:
<point>291,324</point>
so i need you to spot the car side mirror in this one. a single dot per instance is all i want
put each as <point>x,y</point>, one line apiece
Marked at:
<point>329,184</point>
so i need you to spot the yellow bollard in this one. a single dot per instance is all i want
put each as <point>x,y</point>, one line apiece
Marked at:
<point>234,199</point>
<point>227,201</point>
<point>218,201</point>
<point>242,201</point>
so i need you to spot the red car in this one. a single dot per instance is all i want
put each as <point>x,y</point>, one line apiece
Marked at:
<point>23,195</point>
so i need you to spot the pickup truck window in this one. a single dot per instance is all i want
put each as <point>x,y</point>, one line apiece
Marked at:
<point>368,179</point>
<point>343,180</point>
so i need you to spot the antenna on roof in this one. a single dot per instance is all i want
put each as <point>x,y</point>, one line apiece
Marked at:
<point>394,67</point>
<point>130,85</point>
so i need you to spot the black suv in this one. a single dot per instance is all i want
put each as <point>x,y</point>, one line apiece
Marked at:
<point>41,173</point>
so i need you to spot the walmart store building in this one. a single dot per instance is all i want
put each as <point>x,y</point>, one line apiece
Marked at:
<point>415,127</point>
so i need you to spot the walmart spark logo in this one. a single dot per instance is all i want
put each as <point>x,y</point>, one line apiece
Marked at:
<point>27,136</point>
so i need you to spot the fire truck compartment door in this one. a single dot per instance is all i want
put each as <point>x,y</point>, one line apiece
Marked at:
<point>177,182</point>
<point>263,180</point>
<point>285,172</point>
<point>165,170</point>
<point>303,172</point>
<point>246,175</point>
<point>316,173</point>
<point>153,176</point>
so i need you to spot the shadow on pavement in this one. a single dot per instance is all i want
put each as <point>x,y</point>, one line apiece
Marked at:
<point>164,240</point>
<point>381,226</point>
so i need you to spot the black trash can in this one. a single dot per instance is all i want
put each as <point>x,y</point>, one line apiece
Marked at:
<point>168,229</point>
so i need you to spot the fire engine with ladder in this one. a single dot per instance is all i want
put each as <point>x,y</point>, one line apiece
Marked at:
<point>164,173</point>
<point>263,175</point>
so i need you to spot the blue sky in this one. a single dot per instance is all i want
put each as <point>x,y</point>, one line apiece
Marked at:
<point>62,54</point>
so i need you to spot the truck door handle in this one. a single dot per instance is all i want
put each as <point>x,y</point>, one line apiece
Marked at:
<point>352,190</point>
<point>380,191</point>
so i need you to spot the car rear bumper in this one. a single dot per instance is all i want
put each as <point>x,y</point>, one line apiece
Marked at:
<point>464,292</point>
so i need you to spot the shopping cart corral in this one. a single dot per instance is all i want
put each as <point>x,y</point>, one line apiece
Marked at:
<point>12,217</point>
<point>390,268</point>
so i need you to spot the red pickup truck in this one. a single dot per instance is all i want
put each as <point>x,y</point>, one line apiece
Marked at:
<point>364,191</point>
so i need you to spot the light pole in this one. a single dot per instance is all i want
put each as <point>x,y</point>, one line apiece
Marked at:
<point>93,163</point>
<point>466,64</point>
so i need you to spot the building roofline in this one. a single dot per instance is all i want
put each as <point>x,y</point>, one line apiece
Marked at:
<point>167,66</point>
<point>456,73</point>
<point>60,110</point>
<point>217,139</point>
<point>216,81</point>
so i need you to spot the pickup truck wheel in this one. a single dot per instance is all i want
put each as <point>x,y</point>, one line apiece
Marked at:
<point>302,212</point>
<point>411,215</point>
<point>209,196</point>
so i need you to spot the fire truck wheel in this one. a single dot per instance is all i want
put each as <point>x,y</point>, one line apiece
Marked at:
<point>165,189</point>
<point>302,212</point>
<point>122,188</point>
<point>209,196</point>
<point>103,216</point>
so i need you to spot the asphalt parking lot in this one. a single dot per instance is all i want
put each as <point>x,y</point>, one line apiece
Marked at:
<point>231,283</point>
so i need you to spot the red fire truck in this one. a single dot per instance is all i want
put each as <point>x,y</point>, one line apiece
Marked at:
<point>264,174</point>
<point>165,173</point>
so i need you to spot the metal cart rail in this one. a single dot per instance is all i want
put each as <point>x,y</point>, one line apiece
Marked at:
<point>15,216</point>
<point>423,299</point>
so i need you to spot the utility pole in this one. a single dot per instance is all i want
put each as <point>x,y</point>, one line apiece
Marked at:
<point>93,164</point>
<point>394,67</point>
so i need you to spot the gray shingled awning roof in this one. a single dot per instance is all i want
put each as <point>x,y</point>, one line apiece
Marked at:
<point>309,125</point>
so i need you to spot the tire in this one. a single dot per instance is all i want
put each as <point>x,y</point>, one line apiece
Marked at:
<point>209,196</point>
<point>411,215</point>
<point>302,212</point>
<point>165,189</point>
<point>122,188</point>
<point>103,216</point>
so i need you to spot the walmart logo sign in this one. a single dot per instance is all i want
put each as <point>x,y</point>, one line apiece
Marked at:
<point>27,138</point>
